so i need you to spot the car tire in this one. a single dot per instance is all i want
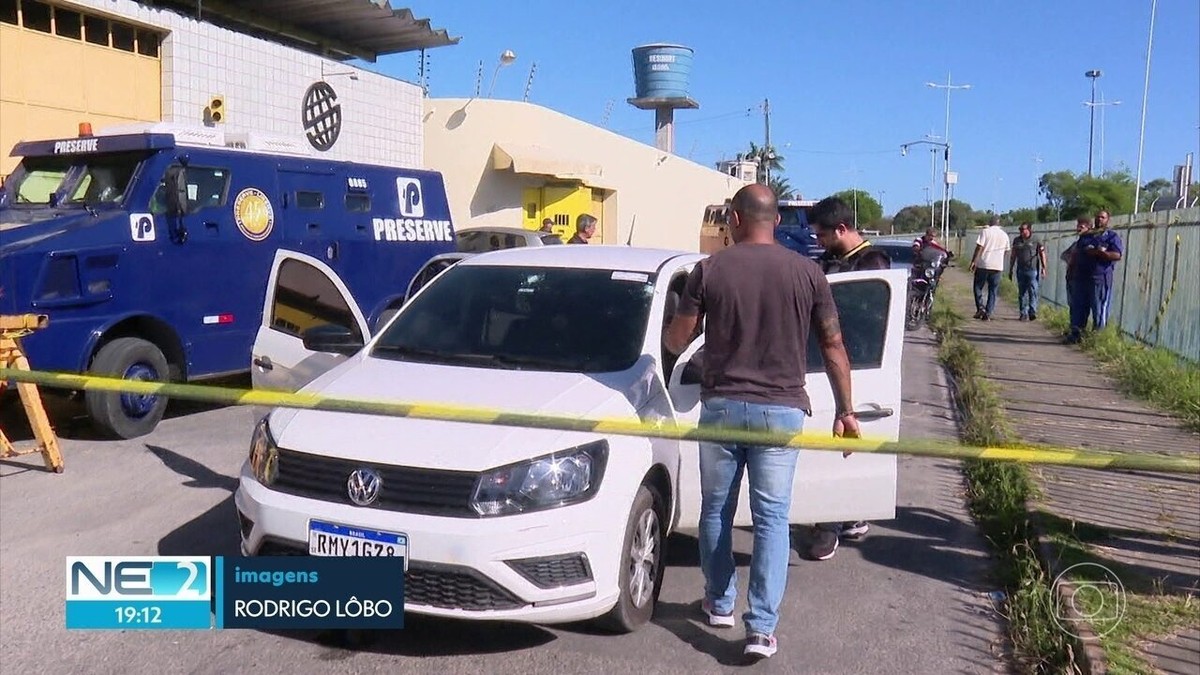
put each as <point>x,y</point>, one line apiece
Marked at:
<point>641,565</point>
<point>127,415</point>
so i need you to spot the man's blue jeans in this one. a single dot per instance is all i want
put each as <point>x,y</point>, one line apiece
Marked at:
<point>990,278</point>
<point>771,471</point>
<point>1027,290</point>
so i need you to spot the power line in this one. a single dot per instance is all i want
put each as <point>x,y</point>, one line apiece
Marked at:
<point>729,115</point>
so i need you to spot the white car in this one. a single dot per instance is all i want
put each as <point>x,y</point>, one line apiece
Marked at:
<point>526,524</point>
<point>484,239</point>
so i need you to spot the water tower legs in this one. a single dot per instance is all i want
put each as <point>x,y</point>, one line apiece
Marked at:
<point>664,129</point>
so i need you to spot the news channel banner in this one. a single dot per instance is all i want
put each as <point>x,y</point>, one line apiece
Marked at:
<point>217,592</point>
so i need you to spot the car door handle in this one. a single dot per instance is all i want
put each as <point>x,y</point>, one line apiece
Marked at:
<point>875,412</point>
<point>264,362</point>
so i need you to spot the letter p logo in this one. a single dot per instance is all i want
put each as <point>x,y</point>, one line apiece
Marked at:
<point>411,201</point>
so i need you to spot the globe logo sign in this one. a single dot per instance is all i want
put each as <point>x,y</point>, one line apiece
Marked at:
<point>322,116</point>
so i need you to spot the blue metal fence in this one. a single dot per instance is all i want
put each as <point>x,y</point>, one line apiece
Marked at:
<point>1156,287</point>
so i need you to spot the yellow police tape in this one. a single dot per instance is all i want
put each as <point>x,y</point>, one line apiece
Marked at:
<point>1092,459</point>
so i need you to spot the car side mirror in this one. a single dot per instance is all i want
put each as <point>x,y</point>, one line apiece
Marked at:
<point>332,339</point>
<point>176,189</point>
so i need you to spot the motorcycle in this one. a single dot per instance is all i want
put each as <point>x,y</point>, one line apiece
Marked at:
<point>922,284</point>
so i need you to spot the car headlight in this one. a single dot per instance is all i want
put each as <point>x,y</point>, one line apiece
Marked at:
<point>928,272</point>
<point>264,454</point>
<point>566,477</point>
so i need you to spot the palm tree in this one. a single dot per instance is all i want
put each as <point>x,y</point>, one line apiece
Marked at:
<point>766,158</point>
<point>781,187</point>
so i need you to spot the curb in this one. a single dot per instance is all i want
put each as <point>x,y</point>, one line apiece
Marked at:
<point>1088,654</point>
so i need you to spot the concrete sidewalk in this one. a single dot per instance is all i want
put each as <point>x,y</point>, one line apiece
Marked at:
<point>1149,523</point>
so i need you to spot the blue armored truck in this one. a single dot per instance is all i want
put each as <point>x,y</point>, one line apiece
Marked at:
<point>150,250</point>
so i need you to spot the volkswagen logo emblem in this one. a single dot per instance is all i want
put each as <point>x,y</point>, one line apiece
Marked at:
<point>363,486</point>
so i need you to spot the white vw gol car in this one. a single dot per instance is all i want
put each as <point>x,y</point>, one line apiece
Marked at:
<point>506,523</point>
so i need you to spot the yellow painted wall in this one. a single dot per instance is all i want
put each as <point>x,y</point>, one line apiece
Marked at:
<point>49,84</point>
<point>660,196</point>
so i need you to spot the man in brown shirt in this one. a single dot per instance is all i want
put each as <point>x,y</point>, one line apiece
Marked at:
<point>758,300</point>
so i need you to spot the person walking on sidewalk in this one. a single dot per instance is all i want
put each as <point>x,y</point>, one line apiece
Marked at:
<point>988,264</point>
<point>1028,262</point>
<point>1096,255</point>
<point>845,251</point>
<point>759,301</point>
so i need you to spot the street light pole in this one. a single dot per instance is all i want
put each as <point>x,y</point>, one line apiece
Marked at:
<point>1093,74</point>
<point>946,183</point>
<point>1101,105</point>
<point>1137,188</point>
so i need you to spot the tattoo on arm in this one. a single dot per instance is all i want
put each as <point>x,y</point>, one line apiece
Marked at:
<point>829,329</point>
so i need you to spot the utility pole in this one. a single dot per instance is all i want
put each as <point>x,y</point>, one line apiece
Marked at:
<point>766,155</point>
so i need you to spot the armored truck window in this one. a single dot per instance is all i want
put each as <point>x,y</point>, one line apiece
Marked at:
<point>863,312</point>
<point>304,298</point>
<point>358,203</point>
<point>206,187</point>
<point>306,199</point>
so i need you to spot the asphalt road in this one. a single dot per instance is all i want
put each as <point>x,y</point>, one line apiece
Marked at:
<point>912,597</point>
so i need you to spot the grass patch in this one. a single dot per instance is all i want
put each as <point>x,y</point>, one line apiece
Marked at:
<point>1152,374</point>
<point>998,493</point>
<point>1123,617</point>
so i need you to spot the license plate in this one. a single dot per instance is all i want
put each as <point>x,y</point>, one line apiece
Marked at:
<point>330,539</point>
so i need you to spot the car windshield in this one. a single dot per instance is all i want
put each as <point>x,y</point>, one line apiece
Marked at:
<point>524,318</point>
<point>78,180</point>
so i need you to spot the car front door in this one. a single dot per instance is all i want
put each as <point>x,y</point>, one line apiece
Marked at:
<point>302,293</point>
<point>827,486</point>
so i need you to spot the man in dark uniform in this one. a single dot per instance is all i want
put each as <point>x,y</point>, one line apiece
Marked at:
<point>845,251</point>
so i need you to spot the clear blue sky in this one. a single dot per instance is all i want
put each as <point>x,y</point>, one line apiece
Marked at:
<point>846,81</point>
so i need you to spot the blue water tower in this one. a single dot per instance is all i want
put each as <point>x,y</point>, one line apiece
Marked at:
<point>662,71</point>
<point>662,76</point>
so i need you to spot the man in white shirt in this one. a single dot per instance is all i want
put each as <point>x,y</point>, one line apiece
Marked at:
<point>991,248</point>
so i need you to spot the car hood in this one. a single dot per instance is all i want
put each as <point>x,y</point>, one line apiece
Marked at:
<point>460,446</point>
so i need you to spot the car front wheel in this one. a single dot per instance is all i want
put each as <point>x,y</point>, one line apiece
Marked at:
<point>642,563</point>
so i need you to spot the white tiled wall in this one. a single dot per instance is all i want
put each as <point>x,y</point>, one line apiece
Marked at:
<point>264,85</point>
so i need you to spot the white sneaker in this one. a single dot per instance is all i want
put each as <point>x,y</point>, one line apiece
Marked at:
<point>760,646</point>
<point>714,619</point>
<point>855,530</point>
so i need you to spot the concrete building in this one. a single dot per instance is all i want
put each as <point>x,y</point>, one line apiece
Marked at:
<point>271,66</point>
<point>514,164</point>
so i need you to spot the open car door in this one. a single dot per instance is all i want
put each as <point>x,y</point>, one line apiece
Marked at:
<point>303,293</point>
<point>828,488</point>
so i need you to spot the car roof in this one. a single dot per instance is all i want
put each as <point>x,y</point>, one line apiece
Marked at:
<point>592,256</point>
<point>498,230</point>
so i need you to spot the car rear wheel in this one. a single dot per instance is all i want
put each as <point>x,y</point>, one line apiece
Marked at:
<point>122,414</point>
<point>641,571</point>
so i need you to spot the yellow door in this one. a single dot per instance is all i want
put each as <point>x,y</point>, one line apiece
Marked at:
<point>531,199</point>
<point>564,204</point>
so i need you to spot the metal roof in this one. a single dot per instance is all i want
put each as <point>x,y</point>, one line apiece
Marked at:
<point>337,29</point>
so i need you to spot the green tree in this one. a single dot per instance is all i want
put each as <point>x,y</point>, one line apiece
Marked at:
<point>766,156</point>
<point>868,210</point>
<point>913,218</point>
<point>1019,216</point>
<point>1158,190</point>
<point>962,216</point>
<point>781,187</point>
<point>1070,195</point>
